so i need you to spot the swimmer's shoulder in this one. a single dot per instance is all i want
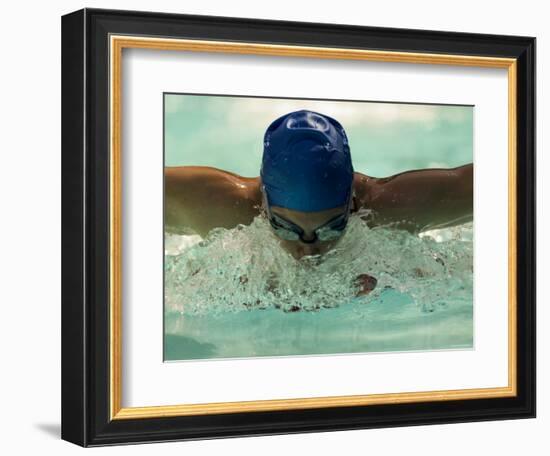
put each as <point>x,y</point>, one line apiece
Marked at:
<point>200,185</point>
<point>195,180</point>
<point>201,198</point>
<point>247,187</point>
<point>364,187</point>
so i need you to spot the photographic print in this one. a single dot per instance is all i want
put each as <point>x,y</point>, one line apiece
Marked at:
<point>308,227</point>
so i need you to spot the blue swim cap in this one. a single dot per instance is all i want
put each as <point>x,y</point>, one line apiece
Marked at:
<point>306,164</point>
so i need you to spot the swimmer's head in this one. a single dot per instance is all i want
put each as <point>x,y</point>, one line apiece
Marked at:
<point>306,164</point>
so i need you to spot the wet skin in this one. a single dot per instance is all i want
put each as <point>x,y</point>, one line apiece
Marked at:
<point>201,198</point>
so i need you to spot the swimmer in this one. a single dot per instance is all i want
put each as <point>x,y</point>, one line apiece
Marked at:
<point>308,189</point>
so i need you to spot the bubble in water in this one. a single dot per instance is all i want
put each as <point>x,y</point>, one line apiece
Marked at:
<point>245,268</point>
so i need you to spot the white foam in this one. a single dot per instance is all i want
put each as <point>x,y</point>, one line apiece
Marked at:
<point>245,268</point>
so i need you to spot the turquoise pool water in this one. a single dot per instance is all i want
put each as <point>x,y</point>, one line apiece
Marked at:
<point>422,301</point>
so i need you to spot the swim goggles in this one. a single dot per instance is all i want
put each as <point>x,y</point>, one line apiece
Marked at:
<point>329,231</point>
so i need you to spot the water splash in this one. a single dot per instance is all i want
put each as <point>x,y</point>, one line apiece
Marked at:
<point>245,268</point>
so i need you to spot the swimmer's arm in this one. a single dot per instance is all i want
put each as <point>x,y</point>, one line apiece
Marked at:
<point>200,198</point>
<point>419,200</point>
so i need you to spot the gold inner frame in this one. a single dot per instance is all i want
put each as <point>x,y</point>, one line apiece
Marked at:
<point>117,44</point>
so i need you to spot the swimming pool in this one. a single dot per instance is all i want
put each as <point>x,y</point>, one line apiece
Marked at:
<point>237,294</point>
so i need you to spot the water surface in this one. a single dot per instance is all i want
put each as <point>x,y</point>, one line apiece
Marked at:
<point>237,293</point>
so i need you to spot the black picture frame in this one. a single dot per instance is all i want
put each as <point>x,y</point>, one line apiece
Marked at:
<point>86,417</point>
